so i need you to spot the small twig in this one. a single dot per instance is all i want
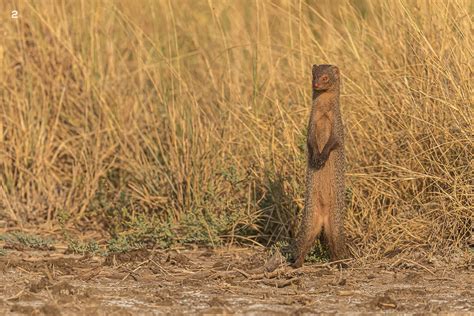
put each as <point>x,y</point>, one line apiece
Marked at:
<point>24,270</point>
<point>16,296</point>
<point>263,275</point>
<point>328,264</point>
<point>245,274</point>
<point>91,273</point>
<point>159,266</point>
<point>279,283</point>
<point>440,279</point>
<point>420,265</point>
<point>135,270</point>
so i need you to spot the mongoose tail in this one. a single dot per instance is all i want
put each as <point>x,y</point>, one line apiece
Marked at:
<point>324,200</point>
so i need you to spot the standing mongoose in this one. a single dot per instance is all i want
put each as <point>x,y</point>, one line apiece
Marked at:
<point>324,200</point>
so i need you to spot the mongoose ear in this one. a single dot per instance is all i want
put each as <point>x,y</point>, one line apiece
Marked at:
<point>317,69</point>
<point>336,71</point>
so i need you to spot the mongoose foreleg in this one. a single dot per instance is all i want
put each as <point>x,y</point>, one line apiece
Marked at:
<point>317,159</point>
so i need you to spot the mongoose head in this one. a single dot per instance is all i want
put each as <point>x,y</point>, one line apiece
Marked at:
<point>325,77</point>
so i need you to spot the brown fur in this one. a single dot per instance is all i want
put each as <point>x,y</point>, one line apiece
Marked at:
<point>324,202</point>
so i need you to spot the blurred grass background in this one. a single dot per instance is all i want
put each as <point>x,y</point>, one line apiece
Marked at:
<point>184,121</point>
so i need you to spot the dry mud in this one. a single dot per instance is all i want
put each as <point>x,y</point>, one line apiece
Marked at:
<point>231,281</point>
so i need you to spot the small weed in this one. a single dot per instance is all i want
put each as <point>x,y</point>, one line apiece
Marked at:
<point>63,217</point>
<point>133,231</point>
<point>124,244</point>
<point>21,241</point>
<point>318,254</point>
<point>285,248</point>
<point>205,228</point>
<point>230,174</point>
<point>78,247</point>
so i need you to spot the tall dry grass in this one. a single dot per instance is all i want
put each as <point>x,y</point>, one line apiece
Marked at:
<point>192,114</point>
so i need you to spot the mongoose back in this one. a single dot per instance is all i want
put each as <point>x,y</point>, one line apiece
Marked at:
<point>324,200</point>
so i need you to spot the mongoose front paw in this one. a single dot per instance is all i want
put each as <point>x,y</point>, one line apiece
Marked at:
<point>321,164</point>
<point>322,161</point>
<point>316,164</point>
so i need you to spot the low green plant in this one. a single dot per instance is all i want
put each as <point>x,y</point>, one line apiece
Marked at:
<point>318,254</point>
<point>130,230</point>
<point>21,239</point>
<point>78,247</point>
<point>205,228</point>
<point>124,244</point>
<point>284,247</point>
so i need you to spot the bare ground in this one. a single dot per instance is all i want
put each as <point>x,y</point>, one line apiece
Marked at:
<point>236,280</point>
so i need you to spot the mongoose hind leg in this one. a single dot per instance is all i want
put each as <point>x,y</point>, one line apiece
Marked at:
<point>306,238</point>
<point>334,235</point>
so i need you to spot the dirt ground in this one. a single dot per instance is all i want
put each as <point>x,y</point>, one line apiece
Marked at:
<point>237,280</point>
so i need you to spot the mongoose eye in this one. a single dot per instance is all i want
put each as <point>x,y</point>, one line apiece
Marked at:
<point>324,78</point>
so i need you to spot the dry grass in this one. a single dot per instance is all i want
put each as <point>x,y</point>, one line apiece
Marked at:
<point>192,114</point>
